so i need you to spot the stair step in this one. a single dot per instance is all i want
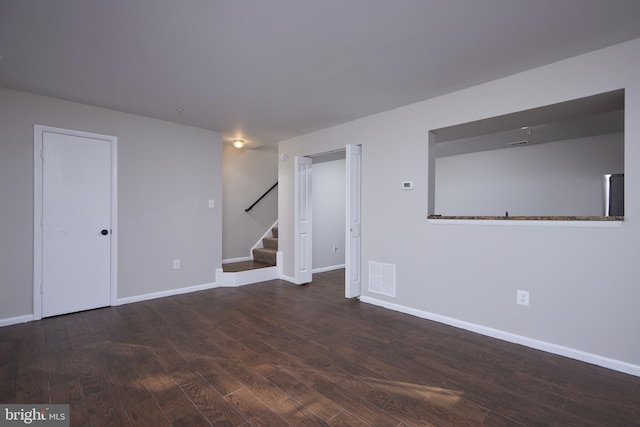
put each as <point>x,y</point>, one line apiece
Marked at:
<point>270,242</point>
<point>274,232</point>
<point>265,255</point>
<point>235,267</point>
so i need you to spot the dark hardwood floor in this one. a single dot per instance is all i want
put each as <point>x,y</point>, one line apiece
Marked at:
<point>235,267</point>
<point>275,354</point>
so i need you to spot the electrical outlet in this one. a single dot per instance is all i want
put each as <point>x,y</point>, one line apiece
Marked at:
<point>522,298</point>
<point>212,203</point>
<point>176,264</point>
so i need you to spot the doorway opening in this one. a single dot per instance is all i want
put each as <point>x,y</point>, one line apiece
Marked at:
<point>331,194</point>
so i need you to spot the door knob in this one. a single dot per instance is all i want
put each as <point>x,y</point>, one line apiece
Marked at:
<point>104,232</point>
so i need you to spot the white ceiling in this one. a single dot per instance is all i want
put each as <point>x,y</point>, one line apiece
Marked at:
<point>268,70</point>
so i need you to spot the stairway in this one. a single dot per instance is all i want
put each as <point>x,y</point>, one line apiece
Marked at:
<point>261,268</point>
<point>267,253</point>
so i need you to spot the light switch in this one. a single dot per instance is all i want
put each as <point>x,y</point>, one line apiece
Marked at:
<point>212,203</point>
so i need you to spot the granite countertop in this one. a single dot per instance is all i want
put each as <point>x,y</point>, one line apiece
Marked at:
<point>531,218</point>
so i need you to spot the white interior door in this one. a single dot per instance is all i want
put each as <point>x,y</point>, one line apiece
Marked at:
<point>353,286</point>
<point>303,221</point>
<point>76,222</point>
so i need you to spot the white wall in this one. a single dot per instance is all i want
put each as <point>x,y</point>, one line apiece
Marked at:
<point>328,189</point>
<point>560,178</point>
<point>166,175</point>
<point>583,281</point>
<point>246,175</point>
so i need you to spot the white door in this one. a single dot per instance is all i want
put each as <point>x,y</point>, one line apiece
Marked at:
<point>353,287</point>
<point>76,221</point>
<point>302,220</point>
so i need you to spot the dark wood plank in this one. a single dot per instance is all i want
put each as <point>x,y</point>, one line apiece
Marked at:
<point>209,402</point>
<point>147,414</point>
<point>105,409</point>
<point>346,419</point>
<point>278,354</point>
<point>218,377</point>
<point>256,412</point>
<point>170,398</point>
<point>8,382</point>
<point>78,414</point>
<point>297,414</point>
<point>191,420</point>
<point>258,385</point>
<point>244,266</point>
<point>350,395</point>
<point>318,404</point>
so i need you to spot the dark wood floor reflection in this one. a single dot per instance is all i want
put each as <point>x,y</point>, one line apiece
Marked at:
<point>275,354</point>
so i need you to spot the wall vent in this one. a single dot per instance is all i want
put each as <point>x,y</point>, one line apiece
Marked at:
<point>382,278</point>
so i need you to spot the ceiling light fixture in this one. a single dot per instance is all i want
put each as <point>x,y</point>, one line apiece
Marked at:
<point>238,143</point>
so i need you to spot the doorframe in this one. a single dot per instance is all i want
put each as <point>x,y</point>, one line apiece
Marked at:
<point>38,131</point>
<point>296,247</point>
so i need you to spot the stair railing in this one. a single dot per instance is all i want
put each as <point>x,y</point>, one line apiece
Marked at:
<point>261,197</point>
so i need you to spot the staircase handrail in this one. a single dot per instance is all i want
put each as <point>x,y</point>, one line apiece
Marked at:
<point>261,197</point>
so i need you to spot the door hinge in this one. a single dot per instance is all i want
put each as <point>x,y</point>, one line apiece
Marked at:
<point>42,153</point>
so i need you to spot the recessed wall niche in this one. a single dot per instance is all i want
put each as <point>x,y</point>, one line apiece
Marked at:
<point>544,162</point>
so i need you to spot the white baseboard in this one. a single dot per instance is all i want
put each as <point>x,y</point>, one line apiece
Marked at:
<point>248,277</point>
<point>279,262</point>
<point>16,320</point>
<point>168,293</point>
<point>325,269</point>
<point>288,279</point>
<point>572,353</point>
<point>232,260</point>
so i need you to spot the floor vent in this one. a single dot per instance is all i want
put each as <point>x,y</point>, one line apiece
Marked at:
<point>382,278</point>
